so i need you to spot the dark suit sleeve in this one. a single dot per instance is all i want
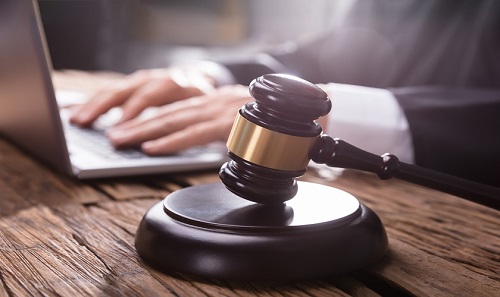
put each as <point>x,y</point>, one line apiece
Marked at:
<point>405,46</point>
<point>245,69</point>
<point>292,58</point>
<point>455,130</point>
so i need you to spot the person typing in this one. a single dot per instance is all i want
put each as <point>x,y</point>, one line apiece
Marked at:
<point>419,79</point>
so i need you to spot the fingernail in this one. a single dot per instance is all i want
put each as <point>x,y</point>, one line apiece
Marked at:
<point>148,145</point>
<point>118,134</point>
<point>81,117</point>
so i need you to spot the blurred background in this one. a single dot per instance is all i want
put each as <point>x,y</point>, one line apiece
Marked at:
<point>126,35</point>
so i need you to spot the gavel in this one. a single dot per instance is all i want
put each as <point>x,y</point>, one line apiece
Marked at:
<point>274,138</point>
<point>260,223</point>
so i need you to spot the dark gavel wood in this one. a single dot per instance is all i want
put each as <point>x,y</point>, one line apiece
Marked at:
<point>283,104</point>
<point>338,153</point>
<point>208,231</point>
<point>260,224</point>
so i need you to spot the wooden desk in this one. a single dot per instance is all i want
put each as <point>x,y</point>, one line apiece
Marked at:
<point>60,236</point>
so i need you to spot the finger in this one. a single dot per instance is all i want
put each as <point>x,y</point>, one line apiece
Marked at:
<point>178,116</point>
<point>137,131</point>
<point>165,88</point>
<point>212,105</point>
<point>169,110</point>
<point>103,101</point>
<point>198,134</point>
<point>154,93</point>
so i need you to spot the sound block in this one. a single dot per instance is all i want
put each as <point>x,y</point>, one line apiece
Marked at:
<point>207,231</point>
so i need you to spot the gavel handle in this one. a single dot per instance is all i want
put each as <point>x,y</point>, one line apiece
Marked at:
<point>338,153</point>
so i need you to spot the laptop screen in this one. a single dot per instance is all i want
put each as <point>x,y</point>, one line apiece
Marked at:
<point>28,110</point>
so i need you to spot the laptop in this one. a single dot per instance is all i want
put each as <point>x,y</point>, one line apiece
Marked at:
<point>30,116</point>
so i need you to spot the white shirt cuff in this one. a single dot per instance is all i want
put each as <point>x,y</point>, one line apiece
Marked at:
<point>369,118</point>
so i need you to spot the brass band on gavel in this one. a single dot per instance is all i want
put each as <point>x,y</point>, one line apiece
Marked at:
<point>268,148</point>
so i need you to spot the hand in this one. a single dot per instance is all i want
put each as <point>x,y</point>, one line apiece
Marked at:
<point>184,124</point>
<point>144,88</point>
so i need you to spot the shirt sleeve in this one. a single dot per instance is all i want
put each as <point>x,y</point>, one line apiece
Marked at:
<point>369,118</point>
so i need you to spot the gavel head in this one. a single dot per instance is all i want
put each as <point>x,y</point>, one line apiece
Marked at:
<point>272,138</point>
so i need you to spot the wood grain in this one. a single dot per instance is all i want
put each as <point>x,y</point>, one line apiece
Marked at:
<point>439,243</point>
<point>37,183</point>
<point>64,237</point>
<point>97,220</point>
<point>40,254</point>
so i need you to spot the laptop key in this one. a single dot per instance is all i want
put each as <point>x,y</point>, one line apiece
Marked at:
<point>95,141</point>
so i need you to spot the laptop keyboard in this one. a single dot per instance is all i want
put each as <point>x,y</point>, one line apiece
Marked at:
<point>95,140</point>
